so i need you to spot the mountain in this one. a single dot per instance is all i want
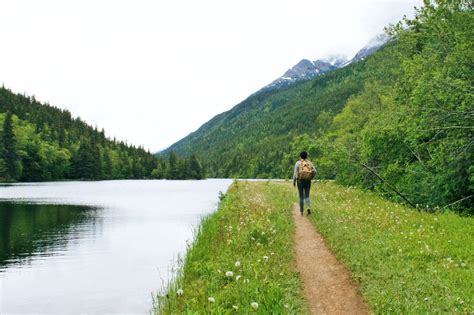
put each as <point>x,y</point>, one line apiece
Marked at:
<point>307,70</point>
<point>372,46</point>
<point>336,60</point>
<point>398,120</point>
<point>303,70</point>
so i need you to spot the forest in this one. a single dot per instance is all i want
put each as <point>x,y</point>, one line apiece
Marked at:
<point>39,142</point>
<point>400,122</point>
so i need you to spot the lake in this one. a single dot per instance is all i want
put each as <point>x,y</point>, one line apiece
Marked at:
<point>95,247</point>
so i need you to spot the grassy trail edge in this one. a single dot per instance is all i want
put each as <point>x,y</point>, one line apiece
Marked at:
<point>242,258</point>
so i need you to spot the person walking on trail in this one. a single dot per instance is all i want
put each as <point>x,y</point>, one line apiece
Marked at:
<point>303,174</point>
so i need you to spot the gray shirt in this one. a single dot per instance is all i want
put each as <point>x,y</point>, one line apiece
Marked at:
<point>297,167</point>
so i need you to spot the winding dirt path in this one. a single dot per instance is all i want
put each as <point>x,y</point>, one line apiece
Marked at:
<point>327,284</point>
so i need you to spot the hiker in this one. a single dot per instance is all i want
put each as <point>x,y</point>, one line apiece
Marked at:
<point>303,174</point>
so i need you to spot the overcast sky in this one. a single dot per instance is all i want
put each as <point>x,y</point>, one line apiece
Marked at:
<point>150,72</point>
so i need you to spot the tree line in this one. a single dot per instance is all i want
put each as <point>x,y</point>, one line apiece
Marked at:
<point>39,142</point>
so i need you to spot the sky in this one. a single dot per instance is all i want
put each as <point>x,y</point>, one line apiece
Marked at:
<point>150,72</point>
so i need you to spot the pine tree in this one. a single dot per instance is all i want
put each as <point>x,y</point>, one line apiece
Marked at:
<point>195,168</point>
<point>173,169</point>
<point>9,153</point>
<point>108,166</point>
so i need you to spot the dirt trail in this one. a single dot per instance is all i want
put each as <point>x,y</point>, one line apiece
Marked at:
<point>326,282</point>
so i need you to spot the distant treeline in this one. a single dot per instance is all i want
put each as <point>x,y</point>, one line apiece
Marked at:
<point>400,120</point>
<point>39,142</point>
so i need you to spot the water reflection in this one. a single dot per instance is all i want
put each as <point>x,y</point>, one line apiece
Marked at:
<point>35,230</point>
<point>72,259</point>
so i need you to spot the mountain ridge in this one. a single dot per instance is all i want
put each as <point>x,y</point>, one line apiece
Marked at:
<point>306,69</point>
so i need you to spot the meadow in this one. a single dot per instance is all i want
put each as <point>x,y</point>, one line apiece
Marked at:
<point>404,260</point>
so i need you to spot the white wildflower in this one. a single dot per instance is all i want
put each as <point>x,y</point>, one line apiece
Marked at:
<point>179,292</point>
<point>254,305</point>
<point>237,264</point>
<point>235,307</point>
<point>229,274</point>
<point>211,299</point>
<point>238,277</point>
<point>265,258</point>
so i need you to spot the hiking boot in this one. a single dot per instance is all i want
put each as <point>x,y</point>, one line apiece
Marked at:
<point>309,211</point>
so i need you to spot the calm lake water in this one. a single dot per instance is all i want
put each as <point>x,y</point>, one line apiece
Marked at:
<point>95,247</point>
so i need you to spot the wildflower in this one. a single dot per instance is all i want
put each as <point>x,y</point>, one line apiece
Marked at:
<point>238,277</point>
<point>463,265</point>
<point>229,274</point>
<point>287,306</point>
<point>237,264</point>
<point>265,258</point>
<point>179,292</point>
<point>211,299</point>
<point>235,307</point>
<point>254,305</point>
<point>426,299</point>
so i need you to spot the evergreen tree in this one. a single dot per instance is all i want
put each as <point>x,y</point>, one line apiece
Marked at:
<point>84,162</point>
<point>195,168</point>
<point>9,153</point>
<point>108,166</point>
<point>173,166</point>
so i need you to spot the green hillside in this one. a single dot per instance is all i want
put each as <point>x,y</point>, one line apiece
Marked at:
<point>401,120</point>
<point>39,142</point>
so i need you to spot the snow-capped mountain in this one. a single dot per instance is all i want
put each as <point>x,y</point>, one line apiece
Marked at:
<point>335,60</point>
<point>306,69</point>
<point>303,70</point>
<point>372,46</point>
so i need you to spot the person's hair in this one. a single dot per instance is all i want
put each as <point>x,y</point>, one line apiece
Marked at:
<point>303,155</point>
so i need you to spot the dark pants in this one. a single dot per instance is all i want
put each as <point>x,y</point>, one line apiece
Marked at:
<point>303,188</point>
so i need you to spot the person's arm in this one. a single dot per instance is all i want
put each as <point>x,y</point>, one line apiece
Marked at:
<point>295,173</point>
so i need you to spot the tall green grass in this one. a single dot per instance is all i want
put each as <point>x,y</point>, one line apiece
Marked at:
<point>405,261</point>
<point>242,258</point>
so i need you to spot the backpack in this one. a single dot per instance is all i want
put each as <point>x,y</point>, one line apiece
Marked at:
<point>305,171</point>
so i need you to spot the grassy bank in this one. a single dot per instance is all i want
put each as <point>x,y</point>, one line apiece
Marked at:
<point>241,259</point>
<point>404,260</point>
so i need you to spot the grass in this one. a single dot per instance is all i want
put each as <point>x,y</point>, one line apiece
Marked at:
<point>249,238</point>
<point>404,261</point>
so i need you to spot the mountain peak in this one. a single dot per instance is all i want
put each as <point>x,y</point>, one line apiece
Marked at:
<point>306,69</point>
<point>336,60</point>
<point>372,46</point>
